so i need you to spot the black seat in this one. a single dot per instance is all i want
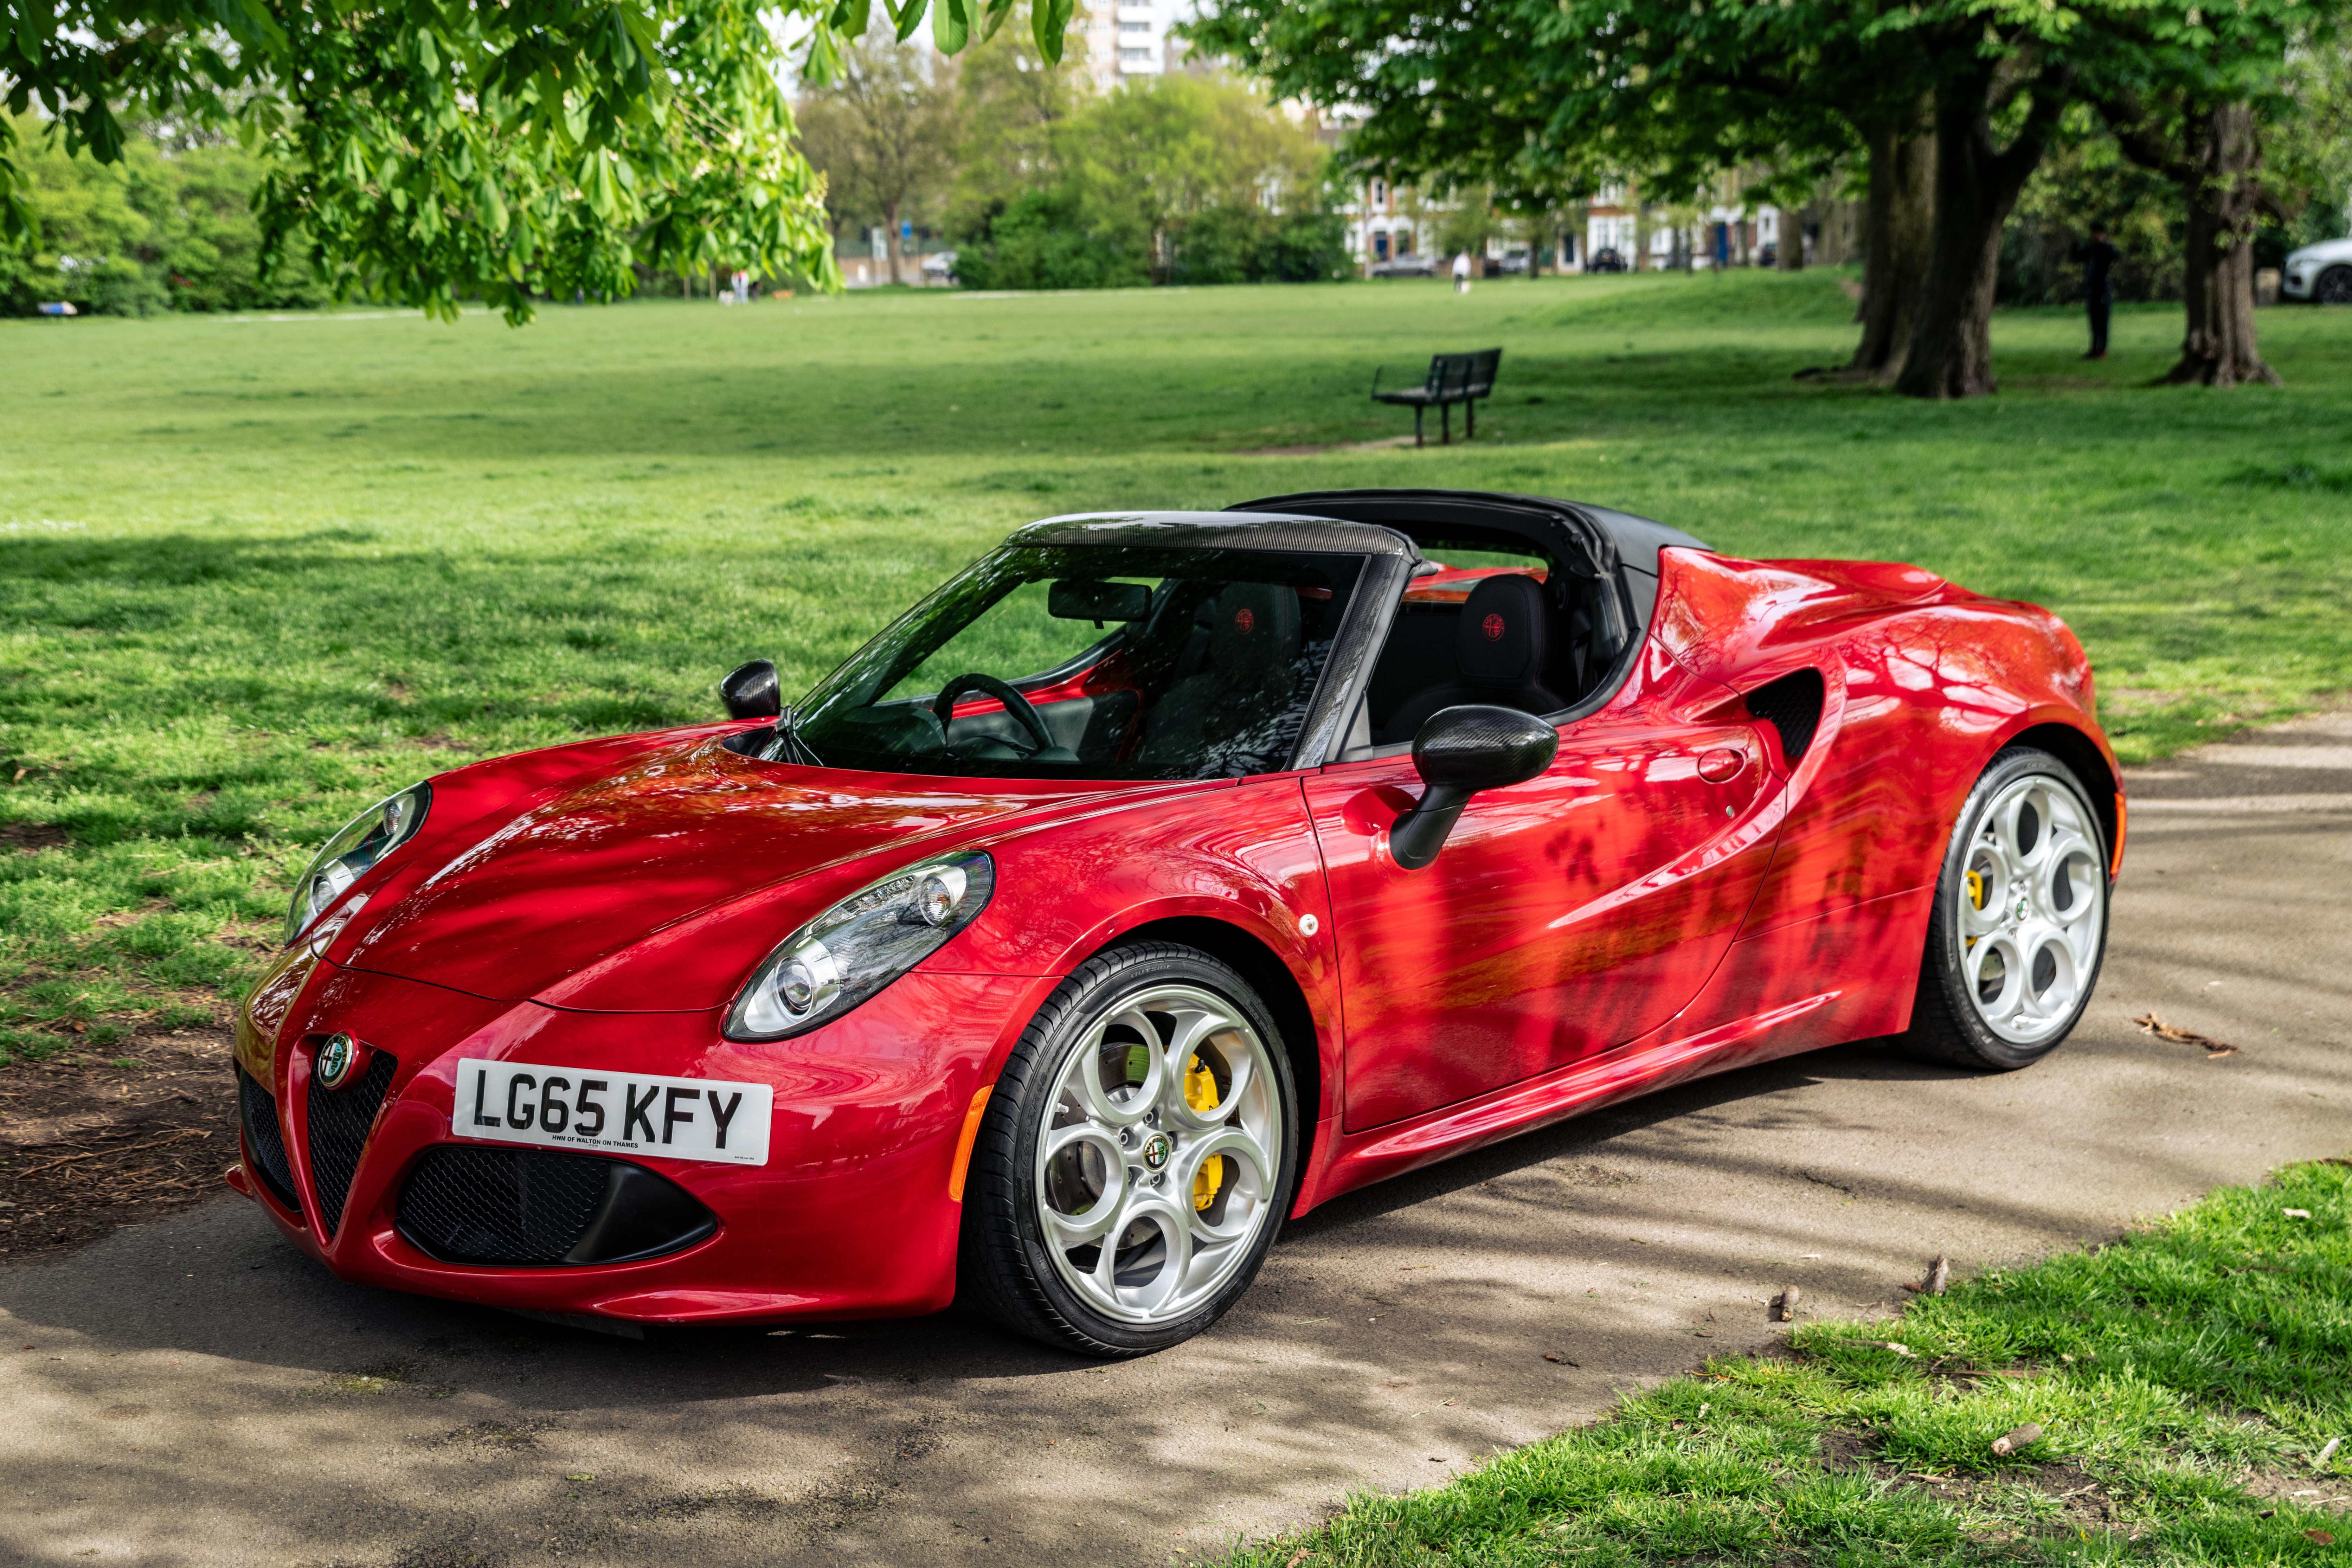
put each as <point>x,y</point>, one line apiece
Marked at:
<point>1502,650</point>
<point>1251,668</point>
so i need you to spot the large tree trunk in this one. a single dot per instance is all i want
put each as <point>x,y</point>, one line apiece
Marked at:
<point>1899,223</point>
<point>1976,185</point>
<point>2218,348</point>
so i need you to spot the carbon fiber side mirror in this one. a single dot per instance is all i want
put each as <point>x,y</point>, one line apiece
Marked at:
<point>1458,752</point>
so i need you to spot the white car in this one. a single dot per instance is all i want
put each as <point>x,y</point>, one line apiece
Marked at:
<point>2320,273</point>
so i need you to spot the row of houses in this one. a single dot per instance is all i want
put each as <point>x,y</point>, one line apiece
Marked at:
<point>1388,225</point>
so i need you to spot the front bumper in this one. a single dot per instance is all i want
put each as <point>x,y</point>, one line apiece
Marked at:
<point>852,1215</point>
<point>2298,285</point>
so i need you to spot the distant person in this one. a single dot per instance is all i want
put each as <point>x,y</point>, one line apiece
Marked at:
<point>1462,272</point>
<point>2098,260</point>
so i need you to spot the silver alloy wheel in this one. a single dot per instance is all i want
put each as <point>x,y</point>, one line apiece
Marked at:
<point>2032,903</point>
<point>1159,1155</point>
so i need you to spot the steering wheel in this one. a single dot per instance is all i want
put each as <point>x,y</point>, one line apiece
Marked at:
<point>943,707</point>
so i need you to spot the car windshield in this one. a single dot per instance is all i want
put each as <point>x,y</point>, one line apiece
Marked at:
<point>1090,661</point>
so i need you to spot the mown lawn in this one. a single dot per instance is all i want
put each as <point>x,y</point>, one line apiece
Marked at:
<point>254,572</point>
<point>2183,1388</point>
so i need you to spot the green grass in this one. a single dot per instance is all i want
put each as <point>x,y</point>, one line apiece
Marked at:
<point>2186,1380</point>
<point>256,571</point>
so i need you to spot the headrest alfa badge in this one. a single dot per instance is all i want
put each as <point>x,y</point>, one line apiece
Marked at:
<point>335,1059</point>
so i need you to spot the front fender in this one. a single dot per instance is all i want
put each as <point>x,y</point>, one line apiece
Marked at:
<point>1244,858</point>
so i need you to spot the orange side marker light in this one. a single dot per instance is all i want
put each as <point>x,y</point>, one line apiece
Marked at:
<point>965,1139</point>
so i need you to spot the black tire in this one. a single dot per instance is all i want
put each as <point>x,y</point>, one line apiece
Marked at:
<point>2334,287</point>
<point>1947,1025</point>
<point>1005,1269</point>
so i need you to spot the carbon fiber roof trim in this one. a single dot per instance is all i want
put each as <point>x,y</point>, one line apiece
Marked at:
<point>1218,530</point>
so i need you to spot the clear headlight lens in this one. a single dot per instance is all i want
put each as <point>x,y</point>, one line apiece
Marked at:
<point>365,840</point>
<point>860,945</point>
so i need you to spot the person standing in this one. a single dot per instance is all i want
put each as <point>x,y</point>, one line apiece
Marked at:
<point>2098,258</point>
<point>1462,272</point>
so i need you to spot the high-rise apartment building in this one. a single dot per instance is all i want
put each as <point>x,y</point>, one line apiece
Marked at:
<point>1127,39</point>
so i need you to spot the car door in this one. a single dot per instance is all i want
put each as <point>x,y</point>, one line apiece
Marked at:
<point>1565,916</point>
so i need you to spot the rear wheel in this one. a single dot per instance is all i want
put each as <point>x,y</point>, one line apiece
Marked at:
<point>1136,1158</point>
<point>2019,925</point>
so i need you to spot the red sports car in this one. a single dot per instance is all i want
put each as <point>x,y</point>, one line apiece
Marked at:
<point>1161,876</point>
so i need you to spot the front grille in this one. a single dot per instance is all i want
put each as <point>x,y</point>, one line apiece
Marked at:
<point>534,1207</point>
<point>340,1119</point>
<point>501,1205</point>
<point>257,1113</point>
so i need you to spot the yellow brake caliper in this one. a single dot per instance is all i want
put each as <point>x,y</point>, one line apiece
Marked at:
<point>1976,896</point>
<point>1201,1094</point>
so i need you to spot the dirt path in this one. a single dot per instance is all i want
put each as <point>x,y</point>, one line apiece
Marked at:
<point>190,1391</point>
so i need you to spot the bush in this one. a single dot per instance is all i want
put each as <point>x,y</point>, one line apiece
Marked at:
<point>1250,245</point>
<point>158,231</point>
<point>1034,242</point>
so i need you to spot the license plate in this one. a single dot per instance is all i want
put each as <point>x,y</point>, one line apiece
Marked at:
<point>625,1112</point>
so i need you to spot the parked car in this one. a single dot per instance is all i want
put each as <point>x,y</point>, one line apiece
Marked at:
<point>1605,259</point>
<point>1403,266</point>
<point>1512,261</point>
<point>939,266</point>
<point>1159,877</point>
<point>2319,274</point>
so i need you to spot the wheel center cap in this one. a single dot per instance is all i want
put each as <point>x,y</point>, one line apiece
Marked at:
<point>2024,907</point>
<point>1156,1150</point>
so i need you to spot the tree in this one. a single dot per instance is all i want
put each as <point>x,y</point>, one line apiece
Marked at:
<point>2185,94</point>
<point>1178,177</point>
<point>883,133</point>
<point>441,149</point>
<point>1010,98</point>
<point>162,228</point>
<point>1667,91</point>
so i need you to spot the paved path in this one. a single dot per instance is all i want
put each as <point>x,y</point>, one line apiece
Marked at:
<point>192,1392</point>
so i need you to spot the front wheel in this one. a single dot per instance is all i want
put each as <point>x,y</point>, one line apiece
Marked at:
<point>2334,287</point>
<point>2019,925</point>
<point>1136,1160</point>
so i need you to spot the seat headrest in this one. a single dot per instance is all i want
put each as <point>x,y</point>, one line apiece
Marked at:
<point>1504,637</point>
<point>1256,634</point>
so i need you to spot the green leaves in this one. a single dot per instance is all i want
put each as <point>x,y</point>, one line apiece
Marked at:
<point>950,26</point>
<point>442,149</point>
<point>1048,21</point>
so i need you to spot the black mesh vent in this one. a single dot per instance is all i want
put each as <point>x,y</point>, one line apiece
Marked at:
<point>465,1203</point>
<point>258,1114</point>
<point>1793,705</point>
<point>340,1119</point>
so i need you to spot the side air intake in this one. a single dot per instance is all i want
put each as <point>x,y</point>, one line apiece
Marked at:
<point>258,1114</point>
<point>1791,705</point>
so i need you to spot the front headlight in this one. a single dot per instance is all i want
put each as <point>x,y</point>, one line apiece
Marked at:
<point>346,858</point>
<point>860,945</point>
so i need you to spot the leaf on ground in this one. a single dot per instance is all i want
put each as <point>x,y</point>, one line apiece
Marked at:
<point>2149,1024</point>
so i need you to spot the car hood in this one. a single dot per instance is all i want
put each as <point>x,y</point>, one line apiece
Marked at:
<point>2325,250</point>
<point>658,888</point>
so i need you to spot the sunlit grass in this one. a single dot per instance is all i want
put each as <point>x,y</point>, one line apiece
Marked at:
<point>2166,1372</point>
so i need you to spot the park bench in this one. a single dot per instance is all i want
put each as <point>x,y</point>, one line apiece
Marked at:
<point>1451,379</point>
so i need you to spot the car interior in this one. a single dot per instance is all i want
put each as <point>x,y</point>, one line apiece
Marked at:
<point>1495,621</point>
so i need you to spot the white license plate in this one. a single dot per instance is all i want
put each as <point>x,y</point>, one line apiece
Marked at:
<point>626,1112</point>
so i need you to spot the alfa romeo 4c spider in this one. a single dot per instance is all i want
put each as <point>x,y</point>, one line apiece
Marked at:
<point>1161,877</point>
